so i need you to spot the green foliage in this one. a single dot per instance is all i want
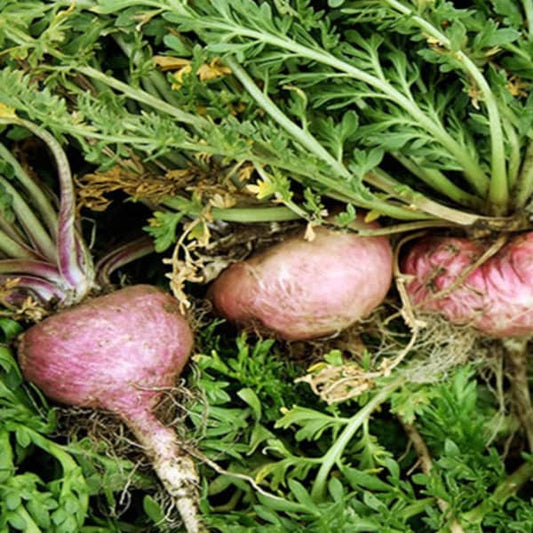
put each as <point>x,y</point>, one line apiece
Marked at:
<point>369,103</point>
<point>272,439</point>
<point>324,97</point>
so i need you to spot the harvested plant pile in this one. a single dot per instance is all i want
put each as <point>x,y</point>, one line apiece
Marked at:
<point>403,130</point>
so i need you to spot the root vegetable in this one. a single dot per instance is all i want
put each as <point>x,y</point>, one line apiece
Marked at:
<point>496,297</point>
<point>304,289</point>
<point>116,352</point>
<point>119,352</point>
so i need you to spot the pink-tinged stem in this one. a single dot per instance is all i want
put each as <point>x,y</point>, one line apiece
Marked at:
<point>31,267</point>
<point>44,290</point>
<point>74,259</point>
<point>122,256</point>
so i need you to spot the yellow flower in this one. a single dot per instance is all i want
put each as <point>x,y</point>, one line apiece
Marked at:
<point>262,189</point>
<point>372,215</point>
<point>181,66</point>
<point>212,70</point>
<point>178,76</point>
<point>518,87</point>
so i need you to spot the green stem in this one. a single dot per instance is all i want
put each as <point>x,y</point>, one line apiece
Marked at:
<point>146,98</point>
<point>334,454</point>
<point>30,525</point>
<point>307,140</point>
<point>473,172</point>
<point>41,201</point>
<point>438,181</point>
<point>251,214</point>
<point>514,152</point>
<point>73,258</point>
<point>524,184</point>
<point>244,215</point>
<point>381,179</point>
<point>7,466</point>
<point>15,249</point>
<point>338,191</point>
<point>505,490</point>
<point>528,10</point>
<point>498,194</point>
<point>31,224</point>
<point>416,508</point>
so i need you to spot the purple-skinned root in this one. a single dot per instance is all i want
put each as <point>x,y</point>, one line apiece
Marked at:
<point>496,297</point>
<point>301,289</point>
<point>119,353</point>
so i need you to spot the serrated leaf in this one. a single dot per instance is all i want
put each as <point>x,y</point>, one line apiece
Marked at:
<point>312,423</point>
<point>163,227</point>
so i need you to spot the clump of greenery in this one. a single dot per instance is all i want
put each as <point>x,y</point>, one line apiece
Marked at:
<point>279,459</point>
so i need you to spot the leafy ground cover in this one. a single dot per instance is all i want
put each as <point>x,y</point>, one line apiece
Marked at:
<point>228,125</point>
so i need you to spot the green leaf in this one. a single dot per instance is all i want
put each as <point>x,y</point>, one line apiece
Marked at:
<point>260,434</point>
<point>163,229</point>
<point>17,521</point>
<point>23,437</point>
<point>251,399</point>
<point>301,494</point>
<point>336,489</point>
<point>451,449</point>
<point>69,524</point>
<point>153,510</point>
<point>334,357</point>
<point>373,501</point>
<point>10,328</point>
<point>312,423</point>
<point>176,45</point>
<point>12,500</point>
<point>359,479</point>
<point>511,12</point>
<point>40,512</point>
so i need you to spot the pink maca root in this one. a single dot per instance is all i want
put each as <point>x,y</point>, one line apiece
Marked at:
<point>303,289</point>
<point>119,353</point>
<point>496,297</point>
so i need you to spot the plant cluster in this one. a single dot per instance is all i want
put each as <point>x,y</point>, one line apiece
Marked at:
<point>234,123</point>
